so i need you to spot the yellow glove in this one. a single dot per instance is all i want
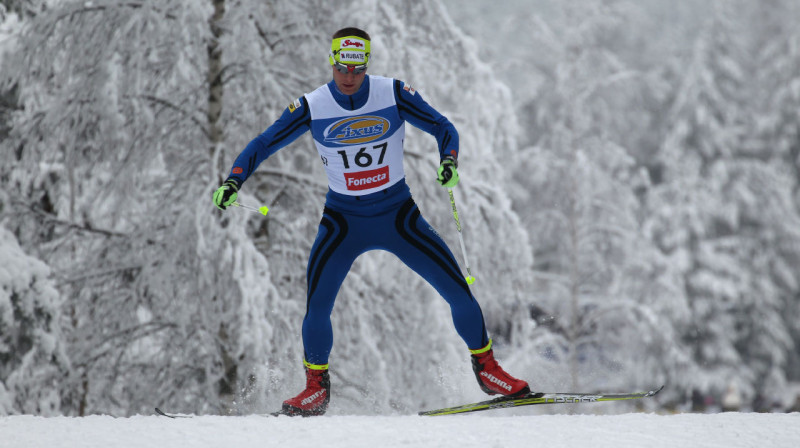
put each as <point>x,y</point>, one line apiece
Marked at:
<point>447,175</point>
<point>226,194</point>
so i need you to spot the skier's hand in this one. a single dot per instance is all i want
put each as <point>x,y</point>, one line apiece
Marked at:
<point>447,175</point>
<point>226,194</point>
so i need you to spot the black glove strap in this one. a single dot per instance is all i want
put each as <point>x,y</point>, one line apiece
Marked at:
<point>233,184</point>
<point>451,158</point>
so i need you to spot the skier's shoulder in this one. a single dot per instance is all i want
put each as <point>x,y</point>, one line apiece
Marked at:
<point>380,80</point>
<point>404,90</point>
<point>296,105</point>
<point>323,91</point>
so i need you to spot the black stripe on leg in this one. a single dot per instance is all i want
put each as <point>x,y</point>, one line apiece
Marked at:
<point>410,212</point>
<point>320,258</point>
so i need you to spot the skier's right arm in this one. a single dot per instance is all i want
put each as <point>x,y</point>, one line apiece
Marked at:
<point>293,123</point>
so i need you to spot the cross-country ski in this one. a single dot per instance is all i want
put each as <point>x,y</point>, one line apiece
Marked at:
<point>535,398</point>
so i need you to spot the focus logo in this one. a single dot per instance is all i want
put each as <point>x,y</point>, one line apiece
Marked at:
<point>356,130</point>
<point>364,180</point>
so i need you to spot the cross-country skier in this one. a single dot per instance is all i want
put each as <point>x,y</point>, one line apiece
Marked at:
<point>358,125</point>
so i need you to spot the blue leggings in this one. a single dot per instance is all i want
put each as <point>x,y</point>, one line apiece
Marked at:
<point>388,220</point>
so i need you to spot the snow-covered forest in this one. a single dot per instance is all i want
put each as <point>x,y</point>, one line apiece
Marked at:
<point>630,197</point>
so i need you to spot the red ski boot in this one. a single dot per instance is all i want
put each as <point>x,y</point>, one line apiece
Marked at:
<point>492,378</point>
<point>315,398</point>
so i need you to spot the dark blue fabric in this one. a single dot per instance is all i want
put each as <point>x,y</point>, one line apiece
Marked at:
<point>288,128</point>
<point>354,101</point>
<point>419,113</point>
<point>387,220</point>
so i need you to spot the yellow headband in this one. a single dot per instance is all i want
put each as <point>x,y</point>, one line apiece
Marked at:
<point>349,50</point>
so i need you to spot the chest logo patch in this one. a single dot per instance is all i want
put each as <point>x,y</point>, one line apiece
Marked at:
<point>356,130</point>
<point>364,180</point>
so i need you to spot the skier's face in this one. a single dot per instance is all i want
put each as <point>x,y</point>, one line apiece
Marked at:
<point>348,83</point>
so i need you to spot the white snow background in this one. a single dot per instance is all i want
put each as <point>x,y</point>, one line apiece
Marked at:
<point>484,430</point>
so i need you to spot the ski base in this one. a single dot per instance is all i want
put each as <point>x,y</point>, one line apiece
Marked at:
<point>535,398</point>
<point>170,415</point>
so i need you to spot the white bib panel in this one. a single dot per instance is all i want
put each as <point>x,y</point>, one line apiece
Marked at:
<point>362,149</point>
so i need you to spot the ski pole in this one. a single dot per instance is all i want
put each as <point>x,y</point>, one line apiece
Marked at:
<point>263,210</point>
<point>470,278</point>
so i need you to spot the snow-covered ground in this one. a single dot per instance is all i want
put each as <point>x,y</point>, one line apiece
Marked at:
<point>484,430</point>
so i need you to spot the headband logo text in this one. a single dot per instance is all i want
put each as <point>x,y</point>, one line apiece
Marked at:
<point>352,43</point>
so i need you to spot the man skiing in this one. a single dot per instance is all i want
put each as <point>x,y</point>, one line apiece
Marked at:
<point>357,122</point>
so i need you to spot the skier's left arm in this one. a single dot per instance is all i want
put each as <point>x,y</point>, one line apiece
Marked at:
<point>418,112</point>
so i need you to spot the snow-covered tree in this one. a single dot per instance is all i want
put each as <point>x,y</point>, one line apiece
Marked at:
<point>25,8</point>
<point>606,305</point>
<point>108,186</point>
<point>778,132</point>
<point>724,215</point>
<point>130,115</point>
<point>33,362</point>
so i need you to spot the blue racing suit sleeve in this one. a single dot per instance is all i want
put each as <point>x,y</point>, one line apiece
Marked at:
<point>294,122</point>
<point>416,111</point>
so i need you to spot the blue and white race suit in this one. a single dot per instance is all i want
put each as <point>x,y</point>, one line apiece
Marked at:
<point>369,205</point>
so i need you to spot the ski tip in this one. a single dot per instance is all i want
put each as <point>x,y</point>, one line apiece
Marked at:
<point>162,413</point>
<point>655,391</point>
